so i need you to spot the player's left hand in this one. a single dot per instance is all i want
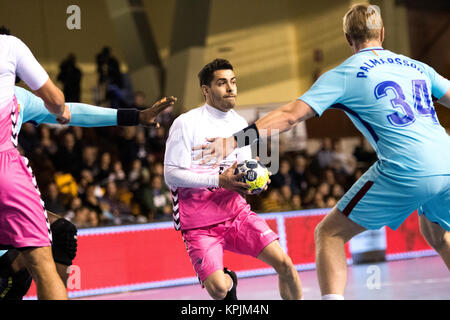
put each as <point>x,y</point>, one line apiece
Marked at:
<point>218,149</point>
<point>147,117</point>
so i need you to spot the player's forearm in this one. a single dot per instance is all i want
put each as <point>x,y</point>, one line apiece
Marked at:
<point>179,177</point>
<point>284,118</point>
<point>84,115</point>
<point>52,96</point>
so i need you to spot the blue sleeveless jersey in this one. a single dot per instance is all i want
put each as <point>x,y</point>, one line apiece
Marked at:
<point>389,98</point>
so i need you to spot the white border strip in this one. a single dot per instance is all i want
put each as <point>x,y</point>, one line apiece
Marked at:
<point>410,255</point>
<point>281,230</point>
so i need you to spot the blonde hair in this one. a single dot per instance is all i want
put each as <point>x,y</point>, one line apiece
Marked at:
<point>363,22</point>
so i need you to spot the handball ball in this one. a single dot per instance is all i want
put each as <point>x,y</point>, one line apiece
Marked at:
<point>256,175</point>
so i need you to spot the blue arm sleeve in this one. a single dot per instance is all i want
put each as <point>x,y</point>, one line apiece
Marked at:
<point>85,115</point>
<point>326,91</point>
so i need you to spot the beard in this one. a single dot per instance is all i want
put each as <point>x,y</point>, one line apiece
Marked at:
<point>224,104</point>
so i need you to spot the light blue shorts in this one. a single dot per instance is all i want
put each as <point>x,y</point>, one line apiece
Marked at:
<point>380,199</point>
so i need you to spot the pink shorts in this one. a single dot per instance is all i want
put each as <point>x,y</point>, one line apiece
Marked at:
<point>23,219</point>
<point>247,234</point>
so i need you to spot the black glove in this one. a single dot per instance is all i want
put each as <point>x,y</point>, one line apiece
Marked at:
<point>64,246</point>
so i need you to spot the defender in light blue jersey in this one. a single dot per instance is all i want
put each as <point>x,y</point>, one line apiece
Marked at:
<point>15,280</point>
<point>389,97</point>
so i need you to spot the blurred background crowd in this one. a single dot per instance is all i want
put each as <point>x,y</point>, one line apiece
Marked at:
<point>115,175</point>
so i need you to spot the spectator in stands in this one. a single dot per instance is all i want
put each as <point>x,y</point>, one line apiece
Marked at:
<point>90,198</point>
<point>111,78</point>
<point>286,194</point>
<point>70,76</point>
<point>81,219</point>
<point>337,191</point>
<point>93,218</point>
<point>53,202</point>
<point>157,142</point>
<point>134,176</point>
<point>343,163</point>
<point>308,199</point>
<point>330,202</point>
<point>296,203</point>
<point>158,169</point>
<point>68,156</point>
<point>298,174</point>
<point>118,174</point>
<point>119,210</point>
<point>161,203</point>
<point>139,100</point>
<point>273,202</point>
<point>143,197</point>
<point>319,201</point>
<point>48,145</point>
<point>324,189</point>
<point>74,204</point>
<point>326,154</point>
<point>105,168</point>
<point>142,145</point>
<point>128,146</point>
<point>86,178</point>
<point>329,176</point>
<point>89,160</point>
<point>283,176</point>
<point>28,138</point>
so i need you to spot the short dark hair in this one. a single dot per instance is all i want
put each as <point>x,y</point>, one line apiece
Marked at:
<point>206,75</point>
<point>5,30</point>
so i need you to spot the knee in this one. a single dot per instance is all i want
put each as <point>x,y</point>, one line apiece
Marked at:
<point>319,231</point>
<point>217,289</point>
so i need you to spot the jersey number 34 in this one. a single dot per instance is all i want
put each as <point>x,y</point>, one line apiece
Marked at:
<point>420,89</point>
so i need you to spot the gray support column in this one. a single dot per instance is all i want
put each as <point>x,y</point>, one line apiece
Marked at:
<point>136,40</point>
<point>187,52</point>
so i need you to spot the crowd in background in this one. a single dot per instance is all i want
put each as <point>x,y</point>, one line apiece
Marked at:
<point>115,175</point>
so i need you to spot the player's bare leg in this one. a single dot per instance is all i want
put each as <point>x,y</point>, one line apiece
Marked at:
<point>330,236</point>
<point>62,269</point>
<point>40,264</point>
<point>218,284</point>
<point>288,280</point>
<point>437,237</point>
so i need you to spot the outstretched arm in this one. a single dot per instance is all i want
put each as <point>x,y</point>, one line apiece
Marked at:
<point>279,120</point>
<point>84,115</point>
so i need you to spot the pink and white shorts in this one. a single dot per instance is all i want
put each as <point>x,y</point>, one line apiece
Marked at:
<point>246,234</point>
<point>23,218</point>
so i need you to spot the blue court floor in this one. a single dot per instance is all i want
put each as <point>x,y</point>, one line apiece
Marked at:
<point>421,278</point>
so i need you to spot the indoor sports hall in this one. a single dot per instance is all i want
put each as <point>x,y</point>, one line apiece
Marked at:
<point>110,181</point>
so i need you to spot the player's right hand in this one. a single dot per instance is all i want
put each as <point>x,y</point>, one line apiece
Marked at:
<point>65,117</point>
<point>148,116</point>
<point>229,180</point>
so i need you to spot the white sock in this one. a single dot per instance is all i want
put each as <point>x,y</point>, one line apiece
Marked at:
<point>332,297</point>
